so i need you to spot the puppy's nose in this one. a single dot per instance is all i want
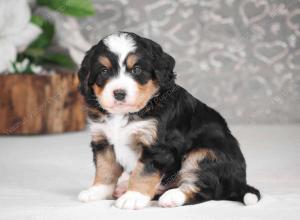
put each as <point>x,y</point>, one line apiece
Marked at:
<point>119,94</point>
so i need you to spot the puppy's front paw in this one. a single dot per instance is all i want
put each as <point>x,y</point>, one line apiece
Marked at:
<point>132,200</point>
<point>96,193</point>
<point>172,198</point>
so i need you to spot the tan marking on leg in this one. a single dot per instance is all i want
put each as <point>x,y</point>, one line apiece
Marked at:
<point>188,171</point>
<point>107,168</point>
<point>96,116</point>
<point>98,136</point>
<point>190,190</point>
<point>194,157</point>
<point>145,183</point>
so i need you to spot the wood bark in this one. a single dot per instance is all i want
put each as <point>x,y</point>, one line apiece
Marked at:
<point>39,104</point>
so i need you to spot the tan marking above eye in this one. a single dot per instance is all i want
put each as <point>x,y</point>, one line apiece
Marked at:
<point>131,60</point>
<point>103,60</point>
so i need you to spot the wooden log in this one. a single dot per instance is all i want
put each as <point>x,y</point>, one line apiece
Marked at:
<point>39,104</point>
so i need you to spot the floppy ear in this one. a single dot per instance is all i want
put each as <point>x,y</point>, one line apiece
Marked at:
<point>84,75</point>
<point>164,72</point>
<point>84,71</point>
<point>163,64</point>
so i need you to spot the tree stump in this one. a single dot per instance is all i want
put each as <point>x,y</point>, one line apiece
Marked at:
<point>40,104</point>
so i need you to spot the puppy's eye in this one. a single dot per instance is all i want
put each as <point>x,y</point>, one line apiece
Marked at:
<point>105,72</point>
<point>136,70</point>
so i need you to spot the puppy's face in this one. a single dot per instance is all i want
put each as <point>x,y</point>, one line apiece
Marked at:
<point>124,81</point>
<point>122,73</point>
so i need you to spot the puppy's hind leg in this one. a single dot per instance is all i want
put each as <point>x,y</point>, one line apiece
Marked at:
<point>188,189</point>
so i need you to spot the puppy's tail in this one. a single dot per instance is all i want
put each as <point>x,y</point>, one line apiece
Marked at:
<point>248,194</point>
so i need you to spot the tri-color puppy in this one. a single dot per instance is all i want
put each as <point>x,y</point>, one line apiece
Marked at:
<point>143,123</point>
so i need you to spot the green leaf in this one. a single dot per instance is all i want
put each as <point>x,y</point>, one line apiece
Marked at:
<point>77,8</point>
<point>59,59</point>
<point>35,55</point>
<point>35,52</point>
<point>38,20</point>
<point>45,38</point>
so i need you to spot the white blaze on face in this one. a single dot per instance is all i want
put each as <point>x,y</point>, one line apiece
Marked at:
<point>121,44</point>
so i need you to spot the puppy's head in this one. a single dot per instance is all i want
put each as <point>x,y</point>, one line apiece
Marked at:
<point>124,71</point>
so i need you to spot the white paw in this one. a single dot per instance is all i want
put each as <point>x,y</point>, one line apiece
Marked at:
<point>132,200</point>
<point>250,199</point>
<point>172,198</point>
<point>96,193</point>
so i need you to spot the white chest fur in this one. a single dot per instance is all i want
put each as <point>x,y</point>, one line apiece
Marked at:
<point>120,132</point>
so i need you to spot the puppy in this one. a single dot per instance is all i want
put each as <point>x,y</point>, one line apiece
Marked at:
<point>144,124</point>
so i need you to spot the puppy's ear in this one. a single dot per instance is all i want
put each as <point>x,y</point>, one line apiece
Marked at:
<point>84,71</point>
<point>163,64</point>
<point>84,75</point>
<point>165,70</point>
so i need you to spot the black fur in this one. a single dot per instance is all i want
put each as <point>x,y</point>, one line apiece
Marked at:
<point>162,63</point>
<point>98,147</point>
<point>187,124</point>
<point>184,124</point>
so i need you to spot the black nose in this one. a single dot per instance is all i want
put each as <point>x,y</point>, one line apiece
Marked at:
<point>119,94</point>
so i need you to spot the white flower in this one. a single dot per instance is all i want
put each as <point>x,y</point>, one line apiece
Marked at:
<point>36,69</point>
<point>16,31</point>
<point>24,67</point>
